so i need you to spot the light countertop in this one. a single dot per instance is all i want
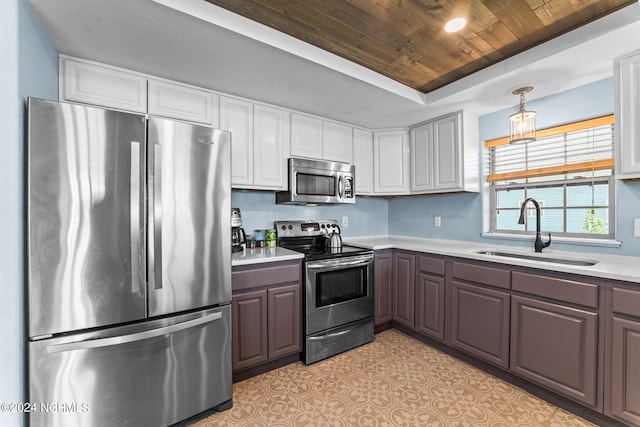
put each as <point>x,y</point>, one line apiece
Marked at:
<point>261,255</point>
<point>616,267</point>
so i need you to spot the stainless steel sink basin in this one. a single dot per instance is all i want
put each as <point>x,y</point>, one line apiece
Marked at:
<point>541,258</point>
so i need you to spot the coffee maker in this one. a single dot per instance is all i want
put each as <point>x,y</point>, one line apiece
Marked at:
<point>237,232</point>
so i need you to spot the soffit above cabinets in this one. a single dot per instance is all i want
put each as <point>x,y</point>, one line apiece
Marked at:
<point>199,43</point>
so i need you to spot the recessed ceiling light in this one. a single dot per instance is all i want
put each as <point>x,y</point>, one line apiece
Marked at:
<point>455,24</point>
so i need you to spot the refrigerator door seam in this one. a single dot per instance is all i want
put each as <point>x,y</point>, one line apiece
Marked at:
<point>138,336</point>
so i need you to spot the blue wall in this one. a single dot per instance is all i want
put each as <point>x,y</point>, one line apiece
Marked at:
<point>30,69</point>
<point>462,213</point>
<point>368,217</point>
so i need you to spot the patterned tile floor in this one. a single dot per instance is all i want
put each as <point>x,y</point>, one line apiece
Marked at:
<point>393,381</point>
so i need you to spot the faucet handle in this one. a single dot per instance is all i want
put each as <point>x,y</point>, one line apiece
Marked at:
<point>546,245</point>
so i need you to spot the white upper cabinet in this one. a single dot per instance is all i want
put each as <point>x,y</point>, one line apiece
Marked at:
<point>627,115</point>
<point>422,158</point>
<point>236,116</point>
<point>271,132</point>
<point>363,160</point>
<point>337,142</point>
<point>306,136</point>
<point>314,138</point>
<point>176,101</point>
<point>447,135</point>
<point>96,84</point>
<point>444,155</point>
<point>391,162</point>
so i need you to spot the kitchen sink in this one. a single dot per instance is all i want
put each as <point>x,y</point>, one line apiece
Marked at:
<point>542,258</point>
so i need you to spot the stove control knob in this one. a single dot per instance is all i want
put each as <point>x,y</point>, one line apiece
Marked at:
<point>290,227</point>
<point>284,227</point>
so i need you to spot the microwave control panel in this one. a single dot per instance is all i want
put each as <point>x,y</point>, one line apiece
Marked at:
<point>348,186</point>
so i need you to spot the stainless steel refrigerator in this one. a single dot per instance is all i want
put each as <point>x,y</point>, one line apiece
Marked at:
<point>129,267</point>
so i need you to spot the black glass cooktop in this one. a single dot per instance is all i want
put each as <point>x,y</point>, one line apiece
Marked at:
<point>318,253</point>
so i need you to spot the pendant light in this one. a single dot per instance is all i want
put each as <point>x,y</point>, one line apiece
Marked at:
<point>523,123</point>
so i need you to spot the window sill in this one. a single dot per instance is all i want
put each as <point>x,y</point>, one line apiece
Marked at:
<point>558,239</point>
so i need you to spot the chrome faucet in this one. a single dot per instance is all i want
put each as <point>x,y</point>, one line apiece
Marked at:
<point>538,245</point>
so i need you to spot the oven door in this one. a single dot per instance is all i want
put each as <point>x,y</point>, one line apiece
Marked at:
<point>338,291</point>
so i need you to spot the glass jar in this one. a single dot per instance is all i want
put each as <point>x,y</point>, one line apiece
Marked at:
<point>270,238</point>
<point>251,241</point>
<point>261,235</point>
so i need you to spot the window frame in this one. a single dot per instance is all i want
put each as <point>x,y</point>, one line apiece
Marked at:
<point>494,187</point>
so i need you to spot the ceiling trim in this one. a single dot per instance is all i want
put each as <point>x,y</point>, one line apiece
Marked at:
<point>259,32</point>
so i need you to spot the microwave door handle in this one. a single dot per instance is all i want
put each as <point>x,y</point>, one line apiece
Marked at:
<point>340,186</point>
<point>293,185</point>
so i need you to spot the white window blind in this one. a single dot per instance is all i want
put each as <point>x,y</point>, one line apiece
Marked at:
<point>579,147</point>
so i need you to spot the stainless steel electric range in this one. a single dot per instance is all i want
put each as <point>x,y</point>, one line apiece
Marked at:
<point>338,288</point>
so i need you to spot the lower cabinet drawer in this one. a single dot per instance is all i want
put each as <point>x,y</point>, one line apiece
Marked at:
<point>556,347</point>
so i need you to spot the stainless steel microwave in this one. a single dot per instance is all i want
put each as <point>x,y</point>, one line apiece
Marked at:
<point>318,182</point>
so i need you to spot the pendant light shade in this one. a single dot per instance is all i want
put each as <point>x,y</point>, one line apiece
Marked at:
<point>523,123</point>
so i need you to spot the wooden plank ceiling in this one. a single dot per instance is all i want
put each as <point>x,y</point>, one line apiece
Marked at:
<point>405,39</point>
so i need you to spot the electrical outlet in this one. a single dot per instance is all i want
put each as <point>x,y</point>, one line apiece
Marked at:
<point>636,227</point>
<point>345,221</point>
<point>437,221</point>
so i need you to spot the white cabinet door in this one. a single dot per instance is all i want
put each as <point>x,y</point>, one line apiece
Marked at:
<point>422,158</point>
<point>391,162</point>
<point>337,142</point>
<point>183,102</point>
<point>446,153</point>
<point>101,85</point>
<point>236,116</point>
<point>363,160</point>
<point>271,147</point>
<point>306,136</point>
<point>627,113</point>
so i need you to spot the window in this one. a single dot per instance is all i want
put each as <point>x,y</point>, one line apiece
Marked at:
<point>568,170</point>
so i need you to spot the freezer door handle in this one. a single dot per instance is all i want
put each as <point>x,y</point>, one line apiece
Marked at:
<point>134,201</point>
<point>138,336</point>
<point>155,219</point>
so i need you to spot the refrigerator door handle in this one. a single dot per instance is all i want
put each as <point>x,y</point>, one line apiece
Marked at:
<point>138,336</point>
<point>134,201</point>
<point>155,220</point>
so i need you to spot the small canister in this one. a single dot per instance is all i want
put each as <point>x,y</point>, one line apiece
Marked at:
<point>251,241</point>
<point>261,236</point>
<point>270,238</point>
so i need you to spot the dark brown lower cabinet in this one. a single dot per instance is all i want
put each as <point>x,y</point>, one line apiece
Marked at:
<point>249,329</point>
<point>383,270</point>
<point>266,306</point>
<point>480,322</point>
<point>404,274</point>
<point>429,312</point>
<point>555,346</point>
<point>624,356</point>
<point>285,320</point>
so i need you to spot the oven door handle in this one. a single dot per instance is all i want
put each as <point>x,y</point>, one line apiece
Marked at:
<point>339,264</point>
